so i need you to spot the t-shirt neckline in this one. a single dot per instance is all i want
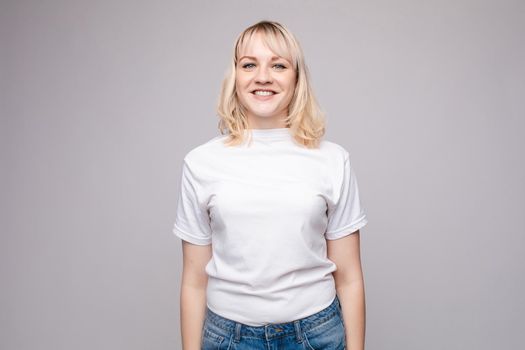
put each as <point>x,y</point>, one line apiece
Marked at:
<point>270,133</point>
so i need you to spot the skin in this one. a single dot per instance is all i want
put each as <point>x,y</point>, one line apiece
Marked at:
<point>264,70</point>
<point>193,293</point>
<point>349,284</point>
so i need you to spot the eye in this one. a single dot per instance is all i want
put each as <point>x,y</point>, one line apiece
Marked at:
<point>280,66</point>
<point>247,64</point>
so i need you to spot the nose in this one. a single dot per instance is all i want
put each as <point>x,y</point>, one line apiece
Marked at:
<point>263,76</point>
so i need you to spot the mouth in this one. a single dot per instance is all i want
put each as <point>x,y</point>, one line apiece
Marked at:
<point>263,92</point>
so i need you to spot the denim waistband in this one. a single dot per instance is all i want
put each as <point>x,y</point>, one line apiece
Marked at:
<point>273,330</point>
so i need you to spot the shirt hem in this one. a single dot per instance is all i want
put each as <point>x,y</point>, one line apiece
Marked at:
<point>348,229</point>
<point>190,238</point>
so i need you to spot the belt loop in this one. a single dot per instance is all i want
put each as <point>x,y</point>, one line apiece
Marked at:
<point>237,331</point>
<point>298,334</point>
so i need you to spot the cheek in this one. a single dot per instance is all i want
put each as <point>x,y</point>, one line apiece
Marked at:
<point>238,88</point>
<point>291,89</point>
<point>240,79</point>
<point>290,82</point>
<point>240,97</point>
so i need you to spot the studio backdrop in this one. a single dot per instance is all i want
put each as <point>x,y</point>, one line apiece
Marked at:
<point>100,100</point>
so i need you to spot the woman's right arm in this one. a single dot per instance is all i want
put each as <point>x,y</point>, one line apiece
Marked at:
<point>193,293</point>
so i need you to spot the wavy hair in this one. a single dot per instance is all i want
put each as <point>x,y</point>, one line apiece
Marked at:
<point>305,118</point>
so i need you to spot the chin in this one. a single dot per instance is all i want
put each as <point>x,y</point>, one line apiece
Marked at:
<point>264,114</point>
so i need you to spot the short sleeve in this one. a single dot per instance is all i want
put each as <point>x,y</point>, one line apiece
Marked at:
<point>345,215</point>
<point>192,222</point>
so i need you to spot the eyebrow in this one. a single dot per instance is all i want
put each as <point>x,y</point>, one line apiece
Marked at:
<point>274,58</point>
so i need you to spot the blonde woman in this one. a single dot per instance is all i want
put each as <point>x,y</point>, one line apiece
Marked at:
<point>269,214</point>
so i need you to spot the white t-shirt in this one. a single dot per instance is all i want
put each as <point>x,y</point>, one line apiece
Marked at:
<point>267,209</point>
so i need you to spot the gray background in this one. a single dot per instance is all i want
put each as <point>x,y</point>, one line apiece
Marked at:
<point>100,100</point>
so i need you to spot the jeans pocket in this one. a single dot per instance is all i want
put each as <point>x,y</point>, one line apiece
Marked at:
<point>210,340</point>
<point>329,336</point>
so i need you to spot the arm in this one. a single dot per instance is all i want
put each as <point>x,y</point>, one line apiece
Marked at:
<point>344,252</point>
<point>193,293</point>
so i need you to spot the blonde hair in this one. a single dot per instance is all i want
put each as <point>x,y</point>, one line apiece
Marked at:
<point>305,118</point>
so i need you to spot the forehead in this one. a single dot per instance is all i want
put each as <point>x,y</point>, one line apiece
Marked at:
<point>255,43</point>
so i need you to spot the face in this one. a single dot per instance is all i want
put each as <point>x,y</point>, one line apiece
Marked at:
<point>265,84</point>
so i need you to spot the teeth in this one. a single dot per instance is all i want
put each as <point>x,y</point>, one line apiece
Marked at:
<point>263,93</point>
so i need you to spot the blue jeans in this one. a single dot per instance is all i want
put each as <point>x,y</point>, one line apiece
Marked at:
<point>323,330</point>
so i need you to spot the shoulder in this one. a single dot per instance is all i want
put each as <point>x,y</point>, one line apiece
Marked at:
<point>334,151</point>
<point>204,152</point>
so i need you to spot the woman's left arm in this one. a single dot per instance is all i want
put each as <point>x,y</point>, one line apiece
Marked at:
<point>349,283</point>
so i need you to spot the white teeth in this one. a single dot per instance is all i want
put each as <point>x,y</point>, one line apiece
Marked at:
<point>263,93</point>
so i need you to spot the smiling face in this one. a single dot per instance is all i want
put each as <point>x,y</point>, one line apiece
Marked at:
<point>265,84</point>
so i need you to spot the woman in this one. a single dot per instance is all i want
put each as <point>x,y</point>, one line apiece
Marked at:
<point>269,214</point>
